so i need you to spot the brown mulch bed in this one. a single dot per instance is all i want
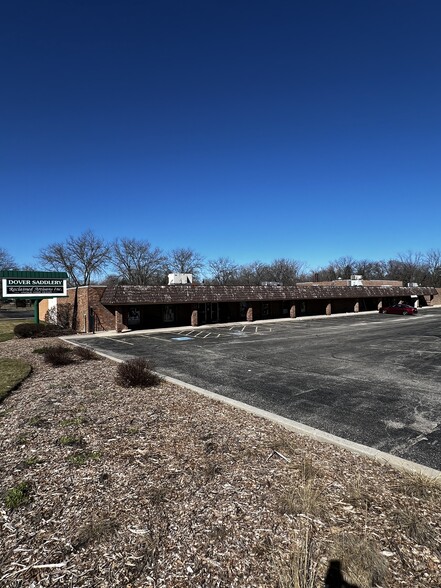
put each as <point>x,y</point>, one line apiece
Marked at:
<point>163,487</point>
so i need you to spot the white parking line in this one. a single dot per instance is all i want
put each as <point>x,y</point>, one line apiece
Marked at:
<point>153,337</point>
<point>119,341</point>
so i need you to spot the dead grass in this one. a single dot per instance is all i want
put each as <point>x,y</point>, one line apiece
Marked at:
<point>301,570</point>
<point>416,485</point>
<point>96,530</point>
<point>361,560</point>
<point>419,529</point>
<point>307,498</point>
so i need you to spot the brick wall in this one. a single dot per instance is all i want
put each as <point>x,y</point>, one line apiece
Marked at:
<point>436,300</point>
<point>89,299</point>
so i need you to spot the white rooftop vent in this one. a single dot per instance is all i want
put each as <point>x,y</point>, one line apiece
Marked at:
<point>412,285</point>
<point>356,280</point>
<point>180,279</point>
<point>270,283</point>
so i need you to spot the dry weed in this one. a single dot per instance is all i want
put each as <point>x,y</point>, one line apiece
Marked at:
<point>358,494</point>
<point>301,569</point>
<point>306,498</point>
<point>94,531</point>
<point>361,561</point>
<point>418,485</point>
<point>419,529</point>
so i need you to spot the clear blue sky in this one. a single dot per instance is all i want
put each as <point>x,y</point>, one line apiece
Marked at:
<point>249,129</point>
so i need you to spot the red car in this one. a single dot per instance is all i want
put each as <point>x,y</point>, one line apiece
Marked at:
<point>399,309</point>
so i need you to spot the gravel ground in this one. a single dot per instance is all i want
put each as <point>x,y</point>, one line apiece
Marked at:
<point>162,487</point>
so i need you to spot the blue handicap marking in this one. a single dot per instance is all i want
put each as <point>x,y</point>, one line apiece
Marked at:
<point>182,339</point>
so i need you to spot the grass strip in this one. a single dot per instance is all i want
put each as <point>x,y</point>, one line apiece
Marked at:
<point>7,328</point>
<point>12,373</point>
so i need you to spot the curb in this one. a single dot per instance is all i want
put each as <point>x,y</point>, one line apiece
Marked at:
<point>321,436</point>
<point>357,448</point>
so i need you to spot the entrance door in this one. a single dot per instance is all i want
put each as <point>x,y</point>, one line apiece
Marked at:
<point>208,312</point>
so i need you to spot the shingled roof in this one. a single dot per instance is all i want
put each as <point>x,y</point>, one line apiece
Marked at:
<point>190,293</point>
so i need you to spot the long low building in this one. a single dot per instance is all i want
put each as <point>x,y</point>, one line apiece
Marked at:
<point>119,307</point>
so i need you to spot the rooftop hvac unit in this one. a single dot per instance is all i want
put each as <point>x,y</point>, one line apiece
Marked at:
<point>356,277</point>
<point>412,285</point>
<point>356,280</point>
<point>270,283</point>
<point>180,279</point>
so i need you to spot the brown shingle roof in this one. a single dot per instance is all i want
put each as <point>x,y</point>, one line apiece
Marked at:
<point>190,293</point>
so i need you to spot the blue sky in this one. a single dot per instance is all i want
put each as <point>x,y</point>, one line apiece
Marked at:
<point>247,129</point>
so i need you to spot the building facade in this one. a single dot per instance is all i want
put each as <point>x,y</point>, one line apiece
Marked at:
<point>119,308</point>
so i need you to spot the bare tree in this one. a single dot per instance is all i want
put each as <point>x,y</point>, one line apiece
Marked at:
<point>284,271</point>
<point>186,261</point>
<point>371,270</point>
<point>6,260</point>
<point>81,257</point>
<point>409,268</point>
<point>138,263</point>
<point>252,274</point>
<point>432,261</point>
<point>223,271</point>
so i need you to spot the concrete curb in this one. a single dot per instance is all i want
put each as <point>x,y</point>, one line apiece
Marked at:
<point>385,458</point>
<point>299,428</point>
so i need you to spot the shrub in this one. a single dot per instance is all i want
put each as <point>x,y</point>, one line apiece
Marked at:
<point>58,355</point>
<point>86,354</point>
<point>28,330</point>
<point>61,315</point>
<point>137,372</point>
<point>34,330</point>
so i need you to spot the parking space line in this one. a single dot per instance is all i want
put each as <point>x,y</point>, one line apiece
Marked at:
<point>163,339</point>
<point>119,341</point>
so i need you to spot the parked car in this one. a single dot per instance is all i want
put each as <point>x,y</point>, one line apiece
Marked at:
<point>399,309</point>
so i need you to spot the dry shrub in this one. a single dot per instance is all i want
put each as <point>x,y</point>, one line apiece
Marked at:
<point>137,372</point>
<point>306,498</point>
<point>58,355</point>
<point>61,315</point>
<point>35,330</point>
<point>94,531</point>
<point>86,354</point>
<point>362,563</point>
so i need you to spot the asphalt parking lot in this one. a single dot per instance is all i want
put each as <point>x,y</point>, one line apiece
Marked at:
<point>373,379</point>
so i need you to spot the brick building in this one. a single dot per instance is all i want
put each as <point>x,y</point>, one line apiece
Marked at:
<point>101,308</point>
